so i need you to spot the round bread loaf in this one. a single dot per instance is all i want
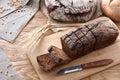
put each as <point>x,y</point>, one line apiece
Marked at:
<point>73,10</point>
<point>111,8</point>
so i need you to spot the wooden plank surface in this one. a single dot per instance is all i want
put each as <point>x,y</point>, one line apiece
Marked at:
<point>23,66</point>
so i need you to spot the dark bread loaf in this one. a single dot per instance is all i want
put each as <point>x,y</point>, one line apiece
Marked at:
<point>73,10</point>
<point>58,55</point>
<point>88,38</point>
<point>46,62</point>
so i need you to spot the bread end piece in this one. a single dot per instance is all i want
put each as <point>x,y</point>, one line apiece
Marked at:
<point>46,62</point>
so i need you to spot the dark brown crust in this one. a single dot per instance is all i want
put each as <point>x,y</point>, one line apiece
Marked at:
<point>89,37</point>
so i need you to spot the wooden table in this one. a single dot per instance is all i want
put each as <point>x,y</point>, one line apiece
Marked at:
<point>23,66</point>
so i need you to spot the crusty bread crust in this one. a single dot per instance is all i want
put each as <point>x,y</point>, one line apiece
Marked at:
<point>111,8</point>
<point>89,38</point>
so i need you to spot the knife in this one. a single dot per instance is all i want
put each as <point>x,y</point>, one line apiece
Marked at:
<point>81,67</point>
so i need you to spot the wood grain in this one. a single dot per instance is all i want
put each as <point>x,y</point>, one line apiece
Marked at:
<point>23,66</point>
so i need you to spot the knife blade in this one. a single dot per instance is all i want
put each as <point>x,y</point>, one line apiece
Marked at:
<point>81,67</point>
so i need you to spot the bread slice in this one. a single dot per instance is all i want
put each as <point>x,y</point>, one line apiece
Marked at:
<point>53,59</point>
<point>58,55</point>
<point>46,62</point>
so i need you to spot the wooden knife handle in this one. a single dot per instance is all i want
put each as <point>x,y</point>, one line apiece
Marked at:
<point>99,63</point>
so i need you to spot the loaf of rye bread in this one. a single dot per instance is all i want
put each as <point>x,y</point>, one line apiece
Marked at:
<point>88,38</point>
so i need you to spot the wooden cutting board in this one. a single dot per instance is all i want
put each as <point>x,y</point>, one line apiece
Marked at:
<point>111,52</point>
